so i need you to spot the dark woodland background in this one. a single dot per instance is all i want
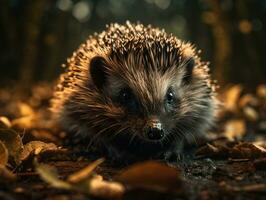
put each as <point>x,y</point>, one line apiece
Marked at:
<point>36,36</point>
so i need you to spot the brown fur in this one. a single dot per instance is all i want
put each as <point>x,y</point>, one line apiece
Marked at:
<point>148,61</point>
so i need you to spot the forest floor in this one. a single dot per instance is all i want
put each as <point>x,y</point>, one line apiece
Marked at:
<point>34,164</point>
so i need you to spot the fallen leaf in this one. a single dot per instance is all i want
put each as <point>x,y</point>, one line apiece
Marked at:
<point>231,97</point>
<point>4,122</point>
<point>262,149</point>
<point>85,172</point>
<point>3,154</point>
<point>13,143</point>
<point>105,189</point>
<point>6,174</point>
<point>212,151</point>
<point>49,175</point>
<point>24,109</point>
<point>235,129</point>
<point>25,122</point>
<point>35,148</point>
<point>247,150</point>
<point>233,151</point>
<point>258,188</point>
<point>95,186</point>
<point>151,175</point>
<point>250,113</point>
<point>206,150</point>
<point>261,91</point>
<point>248,100</point>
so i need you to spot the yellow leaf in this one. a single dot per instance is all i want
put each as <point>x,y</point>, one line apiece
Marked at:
<point>13,143</point>
<point>3,154</point>
<point>4,122</point>
<point>105,189</point>
<point>49,175</point>
<point>84,173</point>
<point>35,148</point>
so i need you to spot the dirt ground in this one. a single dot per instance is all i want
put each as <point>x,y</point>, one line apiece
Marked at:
<point>34,164</point>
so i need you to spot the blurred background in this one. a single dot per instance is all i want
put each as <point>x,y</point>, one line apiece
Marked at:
<point>36,36</point>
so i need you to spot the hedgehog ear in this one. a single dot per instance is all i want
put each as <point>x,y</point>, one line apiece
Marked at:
<point>98,71</point>
<point>189,66</point>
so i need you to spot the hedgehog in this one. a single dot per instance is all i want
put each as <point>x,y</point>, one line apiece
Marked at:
<point>134,92</point>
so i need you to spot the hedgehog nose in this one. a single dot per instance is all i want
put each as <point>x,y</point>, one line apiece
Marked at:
<point>155,131</point>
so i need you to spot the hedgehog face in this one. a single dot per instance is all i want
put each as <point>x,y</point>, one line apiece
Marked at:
<point>150,96</point>
<point>154,123</point>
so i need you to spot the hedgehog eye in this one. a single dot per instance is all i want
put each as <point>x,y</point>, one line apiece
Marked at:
<point>170,97</point>
<point>125,96</point>
<point>127,99</point>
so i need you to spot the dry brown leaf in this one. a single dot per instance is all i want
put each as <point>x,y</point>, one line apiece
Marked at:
<point>210,150</point>
<point>234,152</point>
<point>4,122</point>
<point>13,143</point>
<point>151,175</point>
<point>85,173</point>
<point>35,148</point>
<point>261,148</point>
<point>231,97</point>
<point>261,91</point>
<point>25,122</point>
<point>105,189</point>
<point>250,113</point>
<point>235,129</point>
<point>3,154</point>
<point>6,174</point>
<point>207,149</point>
<point>247,150</point>
<point>24,109</point>
<point>49,175</point>
<point>258,188</point>
<point>95,186</point>
<point>248,100</point>
<point>19,109</point>
<point>260,142</point>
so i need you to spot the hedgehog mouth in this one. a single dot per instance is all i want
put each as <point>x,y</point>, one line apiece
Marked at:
<point>128,138</point>
<point>139,145</point>
<point>136,139</point>
<point>151,141</point>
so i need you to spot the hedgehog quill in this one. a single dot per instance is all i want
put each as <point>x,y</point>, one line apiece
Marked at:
<point>135,92</point>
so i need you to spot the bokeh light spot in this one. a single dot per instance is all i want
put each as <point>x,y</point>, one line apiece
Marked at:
<point>163,4</point>
<point>245,26</point>
<point>82,11</point>
<point>64,5</point>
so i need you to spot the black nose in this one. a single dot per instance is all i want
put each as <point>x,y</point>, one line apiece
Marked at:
<point>155,133</point>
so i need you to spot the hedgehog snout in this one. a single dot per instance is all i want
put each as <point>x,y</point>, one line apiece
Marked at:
<point>154,130</point>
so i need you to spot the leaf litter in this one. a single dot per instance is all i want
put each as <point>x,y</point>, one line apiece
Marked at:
<point>231,162</point>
